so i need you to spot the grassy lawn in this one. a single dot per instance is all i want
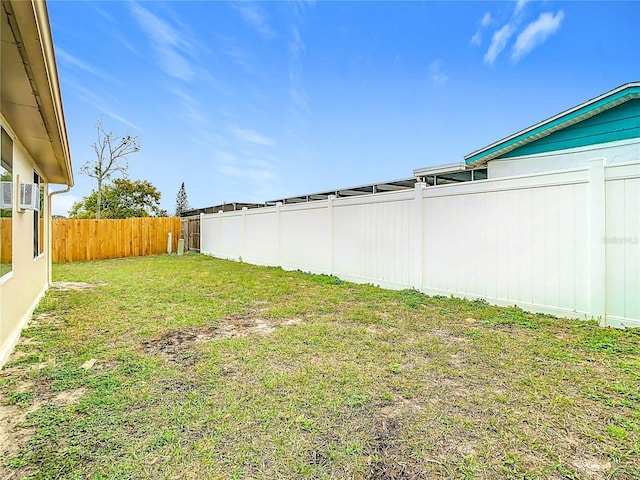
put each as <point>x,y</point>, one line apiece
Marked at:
<point>214,369</point>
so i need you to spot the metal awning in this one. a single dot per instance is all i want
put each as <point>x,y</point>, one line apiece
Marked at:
<point>369,189</point>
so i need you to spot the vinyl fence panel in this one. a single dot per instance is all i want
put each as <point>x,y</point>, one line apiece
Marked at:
<point>622,243</point>
<point>510,241</point>
<point>565,243</point>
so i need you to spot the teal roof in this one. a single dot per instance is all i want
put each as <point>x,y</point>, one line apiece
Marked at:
<point>618,118</point>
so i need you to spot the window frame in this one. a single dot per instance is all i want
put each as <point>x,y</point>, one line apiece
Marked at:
<point>38,241</point>
<point>6,164</point>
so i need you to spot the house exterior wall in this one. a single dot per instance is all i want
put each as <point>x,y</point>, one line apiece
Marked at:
<point>565,243</point>
<point>618,123</point>
<point>615,152</point>
<point>22,288</point>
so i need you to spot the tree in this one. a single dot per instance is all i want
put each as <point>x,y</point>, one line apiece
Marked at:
<point>182,203</point>
<point>111,152</point>
<point>122,198</point>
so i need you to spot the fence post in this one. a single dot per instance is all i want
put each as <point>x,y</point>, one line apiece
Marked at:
<point>598,230</point>
<point>221,242</point>
<point>417,235</point>
<point>330,200</point>
<point>278,236</point>
<point>243,255</point>
<point>201,224</point>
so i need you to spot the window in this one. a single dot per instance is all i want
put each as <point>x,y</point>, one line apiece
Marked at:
<point>6,207</point>
<point>38,227</point>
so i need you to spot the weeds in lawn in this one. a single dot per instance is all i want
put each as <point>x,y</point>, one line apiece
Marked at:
<point>193,367</point>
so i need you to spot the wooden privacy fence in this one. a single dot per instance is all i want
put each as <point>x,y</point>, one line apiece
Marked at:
<point>5,240</point>
<point>6,237</point>
<point>74,240</point>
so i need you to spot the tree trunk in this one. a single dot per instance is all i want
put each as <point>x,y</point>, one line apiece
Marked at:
<point>99,202</point>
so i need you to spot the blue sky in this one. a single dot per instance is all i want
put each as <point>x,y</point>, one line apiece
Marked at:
<point>251,101</point>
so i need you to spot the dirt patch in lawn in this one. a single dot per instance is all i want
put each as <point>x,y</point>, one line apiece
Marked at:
<point>389,457</point>
<point>82,286</point>
<point>175,347</point>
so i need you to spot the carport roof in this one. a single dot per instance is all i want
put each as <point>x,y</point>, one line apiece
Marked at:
<point>403,184</point>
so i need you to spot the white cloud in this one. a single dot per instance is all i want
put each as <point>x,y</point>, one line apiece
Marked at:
<point>438,77</point>
<point>240,57</point>
<point>253,16</point>
<point>251,136</point>
<point>101,101</point>
<point>61,204</point>
<point>477,38</point>
<point>520,6</point>
<point>484,22</point>
<point>536,33</point>
<point>254,174</point>
<point>225,157</point>
<point>70,60</point>
<point>498,42</point>
<point>110,113</point>
<point>296,44</point>
<point>170,44</point>
<point>297,92</point>
<point>299,99</point>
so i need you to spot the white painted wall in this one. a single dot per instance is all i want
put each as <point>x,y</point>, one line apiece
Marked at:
<point>565,243</point>
<point>619,152</point>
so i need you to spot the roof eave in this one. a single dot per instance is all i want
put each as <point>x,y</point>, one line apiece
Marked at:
<point>36,49</point>
<point>560,121</point>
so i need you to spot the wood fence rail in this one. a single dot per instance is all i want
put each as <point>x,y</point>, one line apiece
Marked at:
<point>74,240</point>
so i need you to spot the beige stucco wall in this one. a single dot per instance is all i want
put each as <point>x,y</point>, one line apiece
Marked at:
<point>21,289</point>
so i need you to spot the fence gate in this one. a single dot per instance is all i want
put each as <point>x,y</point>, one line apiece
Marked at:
<point>190,229</point>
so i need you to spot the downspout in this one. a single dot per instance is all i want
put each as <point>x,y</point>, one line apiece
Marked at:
<point>49,228</point>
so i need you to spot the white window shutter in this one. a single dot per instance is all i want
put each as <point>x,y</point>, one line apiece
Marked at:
<point>6,191</point>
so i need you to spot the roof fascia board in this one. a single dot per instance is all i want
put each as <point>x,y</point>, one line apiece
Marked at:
<point>564,119</point>
<point>437,169</point>
<point>32,19</point>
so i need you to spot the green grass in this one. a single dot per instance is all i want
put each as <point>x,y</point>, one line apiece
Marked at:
<point>343,381</point>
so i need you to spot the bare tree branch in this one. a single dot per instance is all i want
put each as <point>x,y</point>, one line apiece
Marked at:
<point>112,153</point>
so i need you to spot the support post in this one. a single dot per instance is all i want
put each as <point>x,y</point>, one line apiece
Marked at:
<point>244,234</point>
<point>221,241</point>
<point>278,235</point>
<point>598,230</point>
<point>417,235</point>
<point>330,238</point>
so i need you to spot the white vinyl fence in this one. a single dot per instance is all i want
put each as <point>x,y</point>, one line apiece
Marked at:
<point>565,243</point>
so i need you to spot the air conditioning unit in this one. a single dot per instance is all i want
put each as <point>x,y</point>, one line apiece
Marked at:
<point>6,195</point>
<point>30,196</point>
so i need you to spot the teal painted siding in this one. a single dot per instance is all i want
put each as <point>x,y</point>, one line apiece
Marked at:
<point>619,123</point>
